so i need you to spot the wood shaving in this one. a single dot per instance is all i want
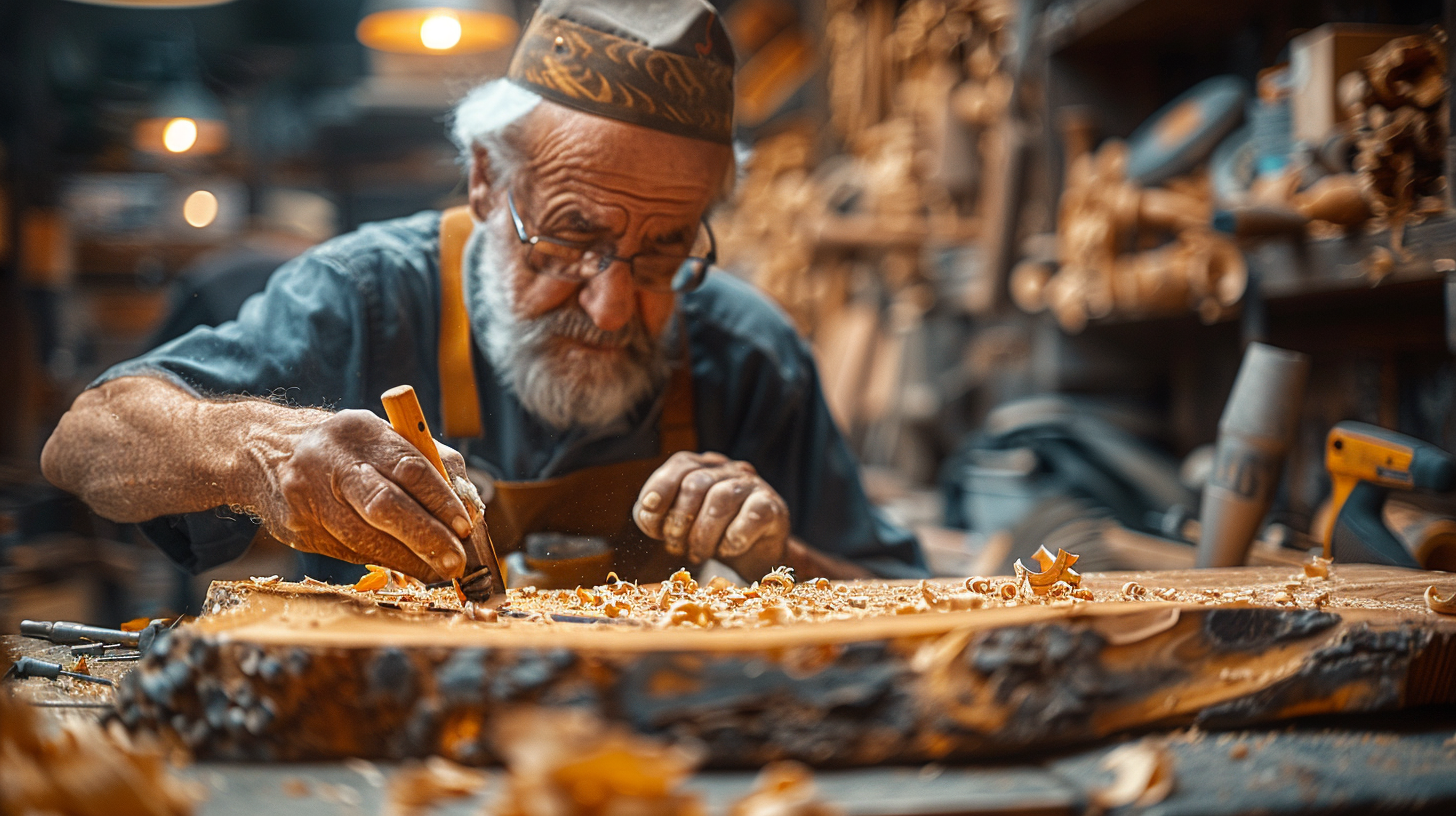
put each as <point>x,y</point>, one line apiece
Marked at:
<point>418,787</point>
<point>783,789</point>
<point>566,762</point>
<point>380,578</point>
<point>76,767</point>
<point>1439,605</point>
<point>296,788</point>
<point>1054,569</point>
<point>1143,776</point>
<point>1317,567</point>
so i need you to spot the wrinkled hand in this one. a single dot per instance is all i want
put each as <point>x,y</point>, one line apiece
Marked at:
<point>705,505</point>
<point>354,489</point>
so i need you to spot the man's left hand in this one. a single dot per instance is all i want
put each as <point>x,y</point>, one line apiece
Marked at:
<point>705,505</point>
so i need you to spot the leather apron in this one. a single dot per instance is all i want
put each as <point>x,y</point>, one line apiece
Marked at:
<point>595,501</point>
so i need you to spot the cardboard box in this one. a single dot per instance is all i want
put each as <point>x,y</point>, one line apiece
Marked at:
<point>1317,60</point>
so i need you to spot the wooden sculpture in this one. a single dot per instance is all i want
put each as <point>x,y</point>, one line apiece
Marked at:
<point>1402,141</point>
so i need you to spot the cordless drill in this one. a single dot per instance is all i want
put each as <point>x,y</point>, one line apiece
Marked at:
<point>1366,462</point>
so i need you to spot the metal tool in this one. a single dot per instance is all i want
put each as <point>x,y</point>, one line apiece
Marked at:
<point>117,657</point>
<point>560,617</point>
<point>30,667</point>
<point>484,582</point>
<point>1366,462</point>
<point>1254,434</point>
<point>66,632</point>
<point>95,649</point>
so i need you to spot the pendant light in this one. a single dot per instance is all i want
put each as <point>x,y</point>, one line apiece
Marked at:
<point>437,26</point>
<point>185,119</point>
<point>153,4</point>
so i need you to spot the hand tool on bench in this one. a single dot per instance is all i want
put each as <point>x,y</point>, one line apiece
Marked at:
<point>484,582</point>
<point>30,667</point>
<point>96,649</point>
<point>66,632</point>
<point>1366,462</point>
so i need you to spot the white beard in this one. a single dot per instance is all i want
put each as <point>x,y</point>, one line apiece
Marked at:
<point>558,381</point>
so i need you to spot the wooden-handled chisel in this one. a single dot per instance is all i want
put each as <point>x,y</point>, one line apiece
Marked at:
<point>484,582</point>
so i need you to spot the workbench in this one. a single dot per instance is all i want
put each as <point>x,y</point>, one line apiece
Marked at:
<point>1397,761</point>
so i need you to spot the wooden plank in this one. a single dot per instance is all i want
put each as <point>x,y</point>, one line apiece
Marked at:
<point>305,676</point>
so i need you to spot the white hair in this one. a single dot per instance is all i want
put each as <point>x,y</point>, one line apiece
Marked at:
<point>490,116</point>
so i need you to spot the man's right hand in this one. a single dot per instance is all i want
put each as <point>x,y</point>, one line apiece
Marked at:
<point>354,489</point>
<point>344,485</point>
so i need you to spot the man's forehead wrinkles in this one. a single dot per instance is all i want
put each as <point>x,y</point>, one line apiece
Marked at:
<point>584,193</point>
<point>649,186</point>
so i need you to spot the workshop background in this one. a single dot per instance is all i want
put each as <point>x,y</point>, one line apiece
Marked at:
<point>1030,242</point>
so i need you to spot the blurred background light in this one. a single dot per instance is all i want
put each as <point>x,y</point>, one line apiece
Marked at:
<point>440,31</point>
<point>153,4</point>
<point>185,118</point>
<point>200,209</point>
<point>179,135</point>
<point>437,26</point>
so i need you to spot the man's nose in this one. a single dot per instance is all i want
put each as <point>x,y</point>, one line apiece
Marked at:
<point>609,297</point>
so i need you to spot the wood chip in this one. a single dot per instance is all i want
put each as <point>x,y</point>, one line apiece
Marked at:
<point>1439,605</point>
<point>1143,776</point>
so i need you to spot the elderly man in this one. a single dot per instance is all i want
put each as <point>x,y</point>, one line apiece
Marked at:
<point>563,332</point>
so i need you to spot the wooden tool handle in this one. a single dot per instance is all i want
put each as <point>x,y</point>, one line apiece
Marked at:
<point>403,408</point>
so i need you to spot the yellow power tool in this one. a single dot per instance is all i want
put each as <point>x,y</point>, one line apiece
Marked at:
<point>1366,462</point>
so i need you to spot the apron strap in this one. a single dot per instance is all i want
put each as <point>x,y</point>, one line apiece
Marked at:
<point>459,401</point>
<point>676,430</point>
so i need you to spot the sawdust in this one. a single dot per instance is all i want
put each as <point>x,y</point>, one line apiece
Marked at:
<point>76,767</point>
<point>783,789</point>
<point>778,600</point>
<point>419,786</point>
<point>567,762</point>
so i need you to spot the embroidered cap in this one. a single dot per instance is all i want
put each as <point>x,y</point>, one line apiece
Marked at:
<point>663,64</point>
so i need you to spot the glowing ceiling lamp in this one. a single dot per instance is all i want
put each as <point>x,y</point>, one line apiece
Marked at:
<point>154,4</point>
<point>185,119</point>
<point>437,26</point>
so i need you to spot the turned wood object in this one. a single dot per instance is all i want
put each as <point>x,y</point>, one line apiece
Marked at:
<point>292,672</point>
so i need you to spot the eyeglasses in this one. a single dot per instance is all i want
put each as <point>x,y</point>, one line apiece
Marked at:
<point>577,262</point>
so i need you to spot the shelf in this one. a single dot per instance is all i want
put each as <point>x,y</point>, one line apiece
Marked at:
<point>1327,277</point>
<point>1106,23</point>
<point>1290,269</point>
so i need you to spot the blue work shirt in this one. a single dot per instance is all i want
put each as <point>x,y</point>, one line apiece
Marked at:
<point>357,315</point>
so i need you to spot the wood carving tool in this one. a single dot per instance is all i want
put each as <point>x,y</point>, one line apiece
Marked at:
<point>484,582</point>
<point>30,667</point>
<point>66,632</point>
<point>1366,462</point>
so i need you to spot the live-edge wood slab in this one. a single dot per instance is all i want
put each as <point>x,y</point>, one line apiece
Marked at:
<point>280,675</point>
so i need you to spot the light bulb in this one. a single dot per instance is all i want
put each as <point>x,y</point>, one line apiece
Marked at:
<point>440,31</point>
<point>200,208</point>
<point>179,135</point>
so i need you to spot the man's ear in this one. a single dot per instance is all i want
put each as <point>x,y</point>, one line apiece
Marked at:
<point>481,183</point>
